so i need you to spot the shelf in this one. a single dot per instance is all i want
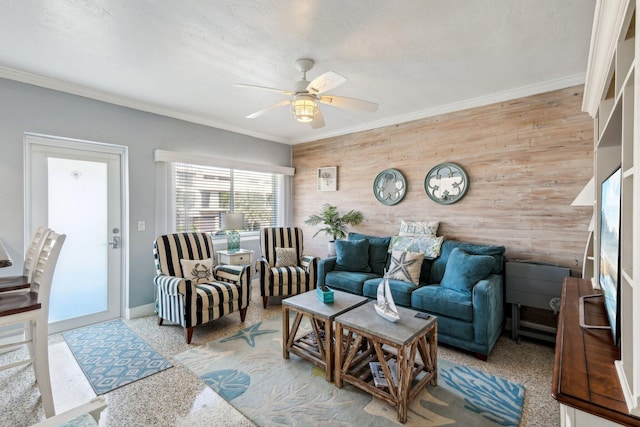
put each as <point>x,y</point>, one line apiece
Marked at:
<point>611,83</point>
<point>611,135</point>
<point>624,63</point>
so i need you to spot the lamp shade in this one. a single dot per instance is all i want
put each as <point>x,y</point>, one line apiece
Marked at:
<point>232,221</point>
<point>304,107</point>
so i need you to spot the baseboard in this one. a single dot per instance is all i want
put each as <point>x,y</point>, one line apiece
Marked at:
<point>140,311</point>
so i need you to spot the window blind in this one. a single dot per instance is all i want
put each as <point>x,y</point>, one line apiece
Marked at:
<point>203,193</point>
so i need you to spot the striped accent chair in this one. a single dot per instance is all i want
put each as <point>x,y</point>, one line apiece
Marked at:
<point>187,303</point>
<point>289,280</point>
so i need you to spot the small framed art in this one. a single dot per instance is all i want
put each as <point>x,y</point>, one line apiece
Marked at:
<point>328,179</point>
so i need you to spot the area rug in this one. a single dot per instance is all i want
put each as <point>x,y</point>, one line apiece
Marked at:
<point>111,355</point>
<point>248,370</point>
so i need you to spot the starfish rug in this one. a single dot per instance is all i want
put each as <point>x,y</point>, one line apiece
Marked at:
<point>248,370</point>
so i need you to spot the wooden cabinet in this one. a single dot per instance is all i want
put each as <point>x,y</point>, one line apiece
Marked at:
<point>611,97</point>
<point>584,376</point>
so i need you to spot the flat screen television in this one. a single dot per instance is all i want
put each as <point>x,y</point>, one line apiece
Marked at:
<point>609,279</point>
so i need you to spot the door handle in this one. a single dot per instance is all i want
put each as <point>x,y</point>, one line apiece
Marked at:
<point>115,243</point>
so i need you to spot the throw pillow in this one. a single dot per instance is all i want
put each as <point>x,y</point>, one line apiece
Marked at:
<point>418,228</point>
<point>198,270</point>
<point>406,266</point>
<point>463,270</point>
<point>352,255</point>
<point>429,245</point>
<point>377,251</point>
<point>286,257</point>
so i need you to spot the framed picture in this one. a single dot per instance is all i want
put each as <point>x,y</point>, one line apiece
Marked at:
<point>328,179</point>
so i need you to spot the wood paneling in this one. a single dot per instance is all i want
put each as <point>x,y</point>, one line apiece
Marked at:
<point>527,159</point>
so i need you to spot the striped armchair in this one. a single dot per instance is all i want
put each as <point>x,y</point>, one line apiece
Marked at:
<point>284,280</point>
<point>185,301</point>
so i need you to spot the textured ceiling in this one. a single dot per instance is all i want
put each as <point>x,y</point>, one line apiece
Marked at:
<point>415,58</point>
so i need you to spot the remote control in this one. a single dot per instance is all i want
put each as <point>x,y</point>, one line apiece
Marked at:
<point>421,315</point>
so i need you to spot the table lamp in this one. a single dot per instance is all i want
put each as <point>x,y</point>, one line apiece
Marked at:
<point>231,222</point>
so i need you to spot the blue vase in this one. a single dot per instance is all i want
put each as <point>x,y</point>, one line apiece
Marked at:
<point>233,241</point>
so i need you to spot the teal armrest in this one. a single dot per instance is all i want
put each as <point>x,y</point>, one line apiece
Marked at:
<point>488,308</point>
<point>325,265</point>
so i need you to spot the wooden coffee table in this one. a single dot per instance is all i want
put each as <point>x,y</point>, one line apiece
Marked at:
<point>367,337</point>
<point>316,346</point>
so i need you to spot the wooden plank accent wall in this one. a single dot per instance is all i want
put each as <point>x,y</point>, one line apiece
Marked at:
<point>527,159</point>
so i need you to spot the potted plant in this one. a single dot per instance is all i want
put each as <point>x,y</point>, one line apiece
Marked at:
<point>335,225</point>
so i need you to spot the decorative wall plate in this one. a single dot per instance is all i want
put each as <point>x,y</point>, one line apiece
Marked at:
<point>446,183</point>
<point>389,187</point>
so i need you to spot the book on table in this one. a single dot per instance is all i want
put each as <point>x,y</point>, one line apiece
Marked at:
<point>379,379</point>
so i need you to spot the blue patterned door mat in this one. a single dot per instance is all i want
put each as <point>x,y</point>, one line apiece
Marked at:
<point>111,355</point>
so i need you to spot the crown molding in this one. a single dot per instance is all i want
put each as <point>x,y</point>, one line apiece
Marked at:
<point>123,101</point>
<point>608,20</point>
<point>87,92</point>
<point>521,92</point>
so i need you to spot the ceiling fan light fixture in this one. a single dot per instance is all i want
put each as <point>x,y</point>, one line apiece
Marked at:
<point>304,108</point>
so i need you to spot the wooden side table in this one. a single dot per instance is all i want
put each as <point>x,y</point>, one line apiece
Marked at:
<point>314,346</point>
<point>367,337</point>
<point>239,257</point>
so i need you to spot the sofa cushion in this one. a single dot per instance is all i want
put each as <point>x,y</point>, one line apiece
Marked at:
<point>443,301</point>
<point>464,270</point>
<point>286,257</point>
<point>429,245</point>
<point>418,228</point>
<point>352,255</point>
<point>439,264</point>
<point>198,271</point>
<point>347,281</point>
<point>406,266</point>
<point>377,251</point>
<point>400,290</point>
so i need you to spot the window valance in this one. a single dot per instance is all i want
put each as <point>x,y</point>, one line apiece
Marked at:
<point>207,160</point>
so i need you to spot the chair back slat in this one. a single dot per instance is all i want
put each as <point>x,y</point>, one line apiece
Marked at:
<point>280,237</point>
<point>45,267</point>
<point>33,251</point>
<point>169,249</point>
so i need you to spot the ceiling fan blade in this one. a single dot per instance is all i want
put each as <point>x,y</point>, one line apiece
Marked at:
<point>325,82</point>
<point>266,110</point>
<point>283,91</point>
<point>318,120</point>
<point>350,103</point>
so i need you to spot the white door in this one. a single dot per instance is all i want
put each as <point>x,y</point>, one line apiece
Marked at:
<point>76,188</point>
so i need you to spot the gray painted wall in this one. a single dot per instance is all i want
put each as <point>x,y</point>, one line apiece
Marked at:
<point>27,108</point>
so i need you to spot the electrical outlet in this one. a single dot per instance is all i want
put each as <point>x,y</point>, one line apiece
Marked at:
<point>141,226</point>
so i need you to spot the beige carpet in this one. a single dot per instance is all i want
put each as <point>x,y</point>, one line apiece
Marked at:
<point>177,397</point>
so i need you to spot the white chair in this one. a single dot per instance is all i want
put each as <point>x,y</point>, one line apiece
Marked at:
<point>87,414</point>
<point>29,309</point>
<point>11,283</point>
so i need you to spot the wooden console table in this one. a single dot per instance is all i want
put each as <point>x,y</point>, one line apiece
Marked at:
<point>585,381</point>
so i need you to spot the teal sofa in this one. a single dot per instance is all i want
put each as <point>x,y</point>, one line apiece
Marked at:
<point>463,287</point>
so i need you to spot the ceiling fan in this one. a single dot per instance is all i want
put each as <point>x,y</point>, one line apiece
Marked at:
<point>304,98</point>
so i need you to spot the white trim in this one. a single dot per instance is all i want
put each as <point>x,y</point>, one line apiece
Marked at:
<point>204,160</point>
<point>87,92</point>
<point>521,92</point>
<point>140,311</point>
<point>100,95</point>
<point>607,22</point>
<point>32,139</point>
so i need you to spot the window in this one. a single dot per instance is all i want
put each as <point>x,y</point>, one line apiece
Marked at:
<point>203,193</point>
